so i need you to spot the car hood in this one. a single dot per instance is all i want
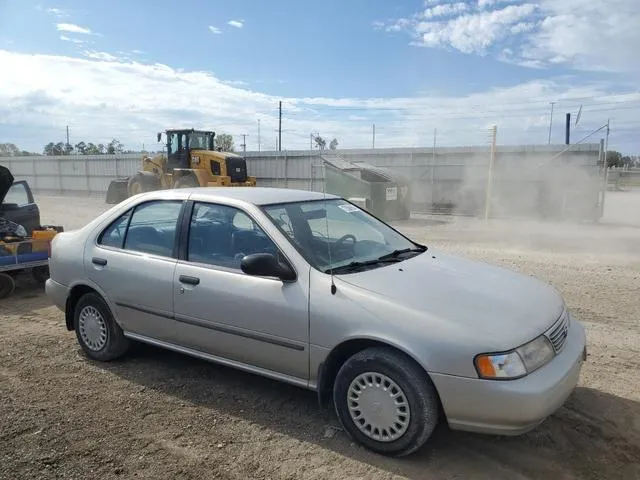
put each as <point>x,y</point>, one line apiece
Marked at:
<point>508,307</point>
<point>6,180</point>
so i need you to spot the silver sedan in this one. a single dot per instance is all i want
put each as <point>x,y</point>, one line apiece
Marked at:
<point>309,289</point>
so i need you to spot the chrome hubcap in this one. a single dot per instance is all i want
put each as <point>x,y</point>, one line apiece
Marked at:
<point>378,407</point>
<point>93,328</point>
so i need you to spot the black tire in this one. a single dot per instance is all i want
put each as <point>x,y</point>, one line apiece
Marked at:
<point>186,181</point>
<point>7,285</point>
<point>40,274</point>
<point>421,397</point>
<point>116,343</point>
<point>140,184</point>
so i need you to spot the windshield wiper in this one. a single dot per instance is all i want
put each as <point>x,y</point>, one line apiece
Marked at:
<point>355,265</point>
<point>392,257</point>
<point>397,253</point>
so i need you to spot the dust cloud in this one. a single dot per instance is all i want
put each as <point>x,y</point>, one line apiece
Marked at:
<point>550,206</point>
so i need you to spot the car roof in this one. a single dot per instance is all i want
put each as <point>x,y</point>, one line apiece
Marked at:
<point>252,195</point>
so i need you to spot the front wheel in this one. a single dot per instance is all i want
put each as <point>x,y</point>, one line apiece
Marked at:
<point>186,181</point>
<point>99,335</point>
<point>385,401</point>
<point>140,184</point>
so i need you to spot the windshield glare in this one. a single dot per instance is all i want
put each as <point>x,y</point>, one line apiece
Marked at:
<point>344,235</point>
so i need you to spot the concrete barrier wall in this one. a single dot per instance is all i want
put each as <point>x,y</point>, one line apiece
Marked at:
<point>441,178</point>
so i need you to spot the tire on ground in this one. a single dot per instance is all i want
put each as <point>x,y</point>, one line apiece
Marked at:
<point>7,285</point>
<point>140,184</point>
<point>40,274</point>
<point>421,397</point>
<point>116,343</point>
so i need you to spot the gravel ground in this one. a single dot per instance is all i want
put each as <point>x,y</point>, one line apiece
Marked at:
<point>157,414</point>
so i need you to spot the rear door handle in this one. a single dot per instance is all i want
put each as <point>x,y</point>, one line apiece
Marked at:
<point>99,261</point>
<point>189,280</point>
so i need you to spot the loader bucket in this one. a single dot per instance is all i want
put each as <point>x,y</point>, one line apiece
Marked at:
<point>117,191</point>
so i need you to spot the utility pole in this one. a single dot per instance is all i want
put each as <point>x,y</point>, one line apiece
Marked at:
<point>244,142</point>
<point>567,129</point>
<point>68,144</point>
<point>551,121</point>
<point>373,143</point>
<point>433,167</point>
<point>490,175</point>
<point>606,168</point>
<point>258,134</point>
<point>280,128</point>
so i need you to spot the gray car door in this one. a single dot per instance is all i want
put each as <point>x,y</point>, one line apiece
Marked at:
<point>256,321</point>
<point>133,262</point>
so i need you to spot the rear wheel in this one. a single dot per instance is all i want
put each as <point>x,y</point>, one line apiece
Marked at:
<point>385,401</point>
<point>40,274</point>
<point>99,335</point>
<point>7,285</point>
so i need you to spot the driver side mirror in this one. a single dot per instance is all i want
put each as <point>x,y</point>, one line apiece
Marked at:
<point>266,265</point>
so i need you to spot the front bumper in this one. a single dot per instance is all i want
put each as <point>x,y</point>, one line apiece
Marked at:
<point>513,407</point>
<point>57,293</point>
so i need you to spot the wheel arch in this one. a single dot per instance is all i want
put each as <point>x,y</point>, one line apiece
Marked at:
<point>75,293</point>
<point>329,367</point>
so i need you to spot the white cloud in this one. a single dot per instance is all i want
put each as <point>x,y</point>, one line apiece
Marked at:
<point>57,12</point>
<point>489,3</point>
<point>103,96</point>
<point>473,33</point>
<point>77,41</point>
<point>445,10</point>
<point>236,23</point>
<point>107,57</point>
<point>215,30</point>
<point>591,35</point>
<point>72,28</point>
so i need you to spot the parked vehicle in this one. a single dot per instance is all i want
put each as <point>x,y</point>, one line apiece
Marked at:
<point>191,160</point>
<point>24,243</point>
<point>17,203</point>
<point>309,289</point>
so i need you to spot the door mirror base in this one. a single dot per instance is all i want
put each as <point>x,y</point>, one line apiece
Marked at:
<point>266,265</point>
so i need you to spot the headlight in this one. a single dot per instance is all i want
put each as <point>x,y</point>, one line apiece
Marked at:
<point>516,363</point>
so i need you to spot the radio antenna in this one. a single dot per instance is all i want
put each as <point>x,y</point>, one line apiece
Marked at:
<point>326,221</point>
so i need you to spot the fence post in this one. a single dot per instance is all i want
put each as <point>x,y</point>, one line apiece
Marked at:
<point>490,175</point>
<point>87,176</point>
<point>60,189</point>
<point>34,173</point>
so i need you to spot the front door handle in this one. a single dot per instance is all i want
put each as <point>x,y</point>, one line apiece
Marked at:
<point>189,280</point>
<point>99,261</point>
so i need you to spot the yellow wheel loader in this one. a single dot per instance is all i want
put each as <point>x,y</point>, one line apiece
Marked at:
<point>191,160</point>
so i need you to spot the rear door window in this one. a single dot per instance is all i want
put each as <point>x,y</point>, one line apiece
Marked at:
<point>153,227</point>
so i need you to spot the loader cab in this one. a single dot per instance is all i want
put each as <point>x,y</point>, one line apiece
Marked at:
<point>181,142</point>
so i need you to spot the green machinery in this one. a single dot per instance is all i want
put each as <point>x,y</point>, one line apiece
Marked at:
<point>381,191</point>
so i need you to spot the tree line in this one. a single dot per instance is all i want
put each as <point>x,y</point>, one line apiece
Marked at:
<point>83,148</point>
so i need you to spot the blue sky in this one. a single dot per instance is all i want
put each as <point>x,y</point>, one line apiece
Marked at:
<point>126,69</point>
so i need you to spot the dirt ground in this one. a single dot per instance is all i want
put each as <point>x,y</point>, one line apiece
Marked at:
<point>158,414</point>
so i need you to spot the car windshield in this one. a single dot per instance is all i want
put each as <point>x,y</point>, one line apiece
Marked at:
<point>337,236</point>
